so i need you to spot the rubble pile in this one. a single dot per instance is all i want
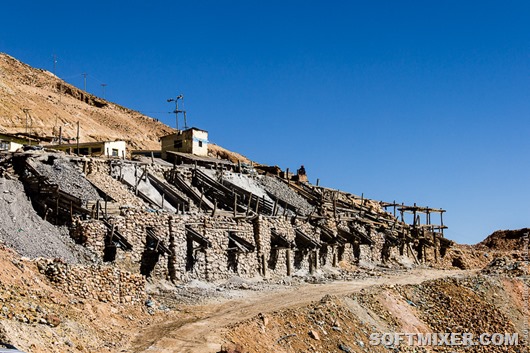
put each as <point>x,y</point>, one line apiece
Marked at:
<point>281,191</point>
<point>507,265</point>
<point>344,324</point>
<point>25,231</point>
<point>36,316</point>
<point>99,174</point>
<point>507,240</point>
<point>59,170</point>
<point>474,305</point>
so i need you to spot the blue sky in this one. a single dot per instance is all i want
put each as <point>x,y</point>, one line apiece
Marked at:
<point>413,101</point>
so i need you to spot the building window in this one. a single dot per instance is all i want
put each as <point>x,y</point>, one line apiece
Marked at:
<point>177,144</point>
<point>96,150</point>
<point>200,143</point>
<point>115,152</point>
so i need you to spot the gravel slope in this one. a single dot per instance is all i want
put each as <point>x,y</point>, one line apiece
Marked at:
<point>23,230</point>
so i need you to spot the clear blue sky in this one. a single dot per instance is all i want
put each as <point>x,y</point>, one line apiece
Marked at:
<point>413,101</point>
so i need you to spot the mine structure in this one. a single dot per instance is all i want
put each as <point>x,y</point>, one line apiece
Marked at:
<point>192,216</point>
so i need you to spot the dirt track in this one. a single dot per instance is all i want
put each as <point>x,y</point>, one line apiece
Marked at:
<point>200,328</point>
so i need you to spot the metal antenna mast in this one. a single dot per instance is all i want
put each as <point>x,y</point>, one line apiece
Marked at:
<point>85,75</point>
<point>28,117</point>
<point>54,64</point>
<point>185,121</point>
<point>177,111</point>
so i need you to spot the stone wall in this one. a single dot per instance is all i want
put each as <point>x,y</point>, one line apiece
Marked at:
<point>188,260</point>
<point>103,283</point>
<point>275,259</point>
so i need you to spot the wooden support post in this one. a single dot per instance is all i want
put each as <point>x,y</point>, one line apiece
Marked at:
<point>71,211</point>
<point>311,264</point>
<point>163,199</point>
<point>152,158</point>
<point>111,232</point>
<point>442,222</point>
<point>362,204</point>
<point>334,256</point>
<point>413,254</point>
<point>288,260</point>
<point>275,208</point>
<point>414,224</point>
<point>315,259</point>
<point>235,204</point>
<point>214,207</point>
<point>248,205</point>
<point>335,204</point>
<point>257,206</point>
<point>264,265</point>
<point>97,209</point>
<point>106,214</point>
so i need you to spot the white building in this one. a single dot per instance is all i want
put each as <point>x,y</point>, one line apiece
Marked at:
<point>9,146</point>
<point>193,140</point>
<point>97,149</point>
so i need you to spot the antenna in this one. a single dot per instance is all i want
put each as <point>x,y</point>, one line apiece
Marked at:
<point>28,117</point>
<point>54,64</point>
<point>185,121</point>
<point>177,111</point>
<point>85,75</point>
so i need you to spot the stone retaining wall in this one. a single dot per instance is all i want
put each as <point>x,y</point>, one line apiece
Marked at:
<point>103,283</point>
<point>188,260</point>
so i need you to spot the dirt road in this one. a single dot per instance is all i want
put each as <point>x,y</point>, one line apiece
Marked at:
<point>200,328</point>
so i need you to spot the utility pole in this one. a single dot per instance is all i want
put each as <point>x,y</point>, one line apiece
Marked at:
<point>177,111</point>
<point>78,137</point>
<point>185,121</point>
<point>103,85</point>
<point>54,64</point>
<point>28,118</point>
<point>85,75</point>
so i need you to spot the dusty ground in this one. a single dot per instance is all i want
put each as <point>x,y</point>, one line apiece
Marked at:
<point>36,317</point>
<point>343,323</point>
<point>202,327</point>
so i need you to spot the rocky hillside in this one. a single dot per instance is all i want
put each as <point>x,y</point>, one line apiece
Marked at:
<point>53,103</point>
<point>507,240</point>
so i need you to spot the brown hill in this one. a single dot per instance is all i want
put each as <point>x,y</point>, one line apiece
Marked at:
<point>54,103</point>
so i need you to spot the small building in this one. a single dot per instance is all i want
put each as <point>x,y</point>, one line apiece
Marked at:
<point>193,141</point>
<point>96,149</point>
<point>9,146</point>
